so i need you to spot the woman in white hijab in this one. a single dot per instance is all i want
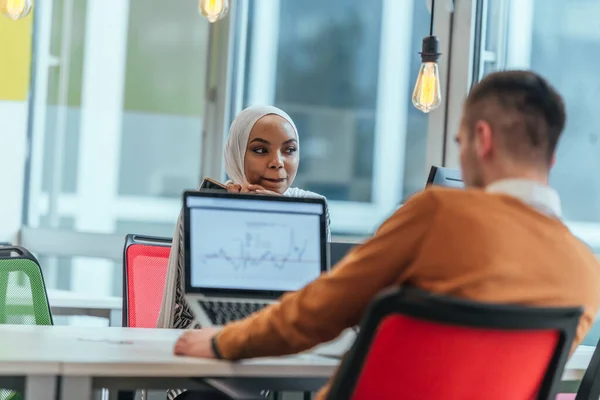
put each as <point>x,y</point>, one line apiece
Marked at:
<point>261,156</point>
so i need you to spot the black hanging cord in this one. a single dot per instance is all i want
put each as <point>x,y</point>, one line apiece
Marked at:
<point>431,22</point>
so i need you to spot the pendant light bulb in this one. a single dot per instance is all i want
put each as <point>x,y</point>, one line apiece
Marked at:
<point>16,9</point>
<point>213,10</point>
<point>427,95</point>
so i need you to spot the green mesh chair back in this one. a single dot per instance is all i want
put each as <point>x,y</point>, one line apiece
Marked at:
<point>23,298</point>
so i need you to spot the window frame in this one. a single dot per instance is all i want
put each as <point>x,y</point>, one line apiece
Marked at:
<point>463,73</point>
<point>223,75</point>
<point>97,269</point>
<point>391,111</point>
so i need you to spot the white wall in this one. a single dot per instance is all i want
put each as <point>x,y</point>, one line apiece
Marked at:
<point>15,66</point>
<point>13,145</point>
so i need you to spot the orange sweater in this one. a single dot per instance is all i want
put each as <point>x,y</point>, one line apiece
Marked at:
<point>465,243</point>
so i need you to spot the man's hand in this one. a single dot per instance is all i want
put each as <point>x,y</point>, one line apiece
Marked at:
<point>196,343</point>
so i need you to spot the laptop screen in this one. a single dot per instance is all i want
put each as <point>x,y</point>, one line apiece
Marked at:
<point>447,177</point>
<point>339,250</point>
<point>252,243</point>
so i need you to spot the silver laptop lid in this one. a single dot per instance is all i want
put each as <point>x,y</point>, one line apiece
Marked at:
<point>252,246</point>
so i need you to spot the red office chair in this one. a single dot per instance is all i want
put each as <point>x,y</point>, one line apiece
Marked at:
<point>416,345</point>
<point>145,262</point>
<point>589,389</point>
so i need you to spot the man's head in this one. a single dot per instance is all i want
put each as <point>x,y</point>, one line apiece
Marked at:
<point>510,127</point>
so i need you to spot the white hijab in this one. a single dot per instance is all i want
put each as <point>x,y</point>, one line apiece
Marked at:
<point>235,150</point>
<point>239,133</point>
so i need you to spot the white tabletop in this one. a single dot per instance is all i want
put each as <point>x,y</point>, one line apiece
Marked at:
<point>86,351</point>
<point>66,299</point>
<point>19,357</point>
<point>90,351</point>
<point>578,363</point>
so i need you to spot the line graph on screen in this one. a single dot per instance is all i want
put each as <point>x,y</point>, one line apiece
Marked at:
<point>260,253</point>
<point>256,250</point>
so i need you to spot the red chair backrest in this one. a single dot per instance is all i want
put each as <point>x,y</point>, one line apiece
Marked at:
<point>418,359</point>
<point>145,274</point>
<point>418,345</point>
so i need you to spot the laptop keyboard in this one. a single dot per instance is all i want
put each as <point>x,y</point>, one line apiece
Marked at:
<point>221,312</point>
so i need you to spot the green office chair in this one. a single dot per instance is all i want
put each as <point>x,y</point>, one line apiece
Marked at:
<point>23,298</point>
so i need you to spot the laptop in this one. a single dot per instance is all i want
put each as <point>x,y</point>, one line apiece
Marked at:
<point>338,250</point>
<point>447,177</point>
<point>242,252</point>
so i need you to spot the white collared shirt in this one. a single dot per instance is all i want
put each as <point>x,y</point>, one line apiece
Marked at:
<point>542,197</point>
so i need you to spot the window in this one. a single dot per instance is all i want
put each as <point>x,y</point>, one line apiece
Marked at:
<point>344,71</point>
<point>118,130</point>
<point>116,124</point>
<point>559,40</point>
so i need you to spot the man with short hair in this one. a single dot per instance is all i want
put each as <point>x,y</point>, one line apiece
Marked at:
<point>501,240</point>
<point>512,120</point>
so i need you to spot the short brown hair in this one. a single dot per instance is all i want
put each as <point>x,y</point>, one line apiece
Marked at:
<point>523,108</point>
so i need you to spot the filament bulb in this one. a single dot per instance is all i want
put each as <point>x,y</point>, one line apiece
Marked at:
<point>427,95</point>
<point>213,10</point>
<point>15,9</point>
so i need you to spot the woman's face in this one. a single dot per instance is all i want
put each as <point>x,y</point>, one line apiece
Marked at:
<point>272,155</point>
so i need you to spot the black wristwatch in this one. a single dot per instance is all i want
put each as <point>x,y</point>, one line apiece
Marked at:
<point>215,348</point>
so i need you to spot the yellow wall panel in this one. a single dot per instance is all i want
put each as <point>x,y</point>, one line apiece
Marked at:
<point>15,57</point>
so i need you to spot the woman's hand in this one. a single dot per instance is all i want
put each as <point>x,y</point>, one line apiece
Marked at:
<point>257,189</point>
<point>234,188</point>
<point>250,189</point>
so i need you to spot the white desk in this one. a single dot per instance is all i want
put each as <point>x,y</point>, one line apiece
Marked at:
<point>141,358</point>
<point>26,367</point>
<point>578,363</point>
<point>64,302</point>
<point>127,358</point>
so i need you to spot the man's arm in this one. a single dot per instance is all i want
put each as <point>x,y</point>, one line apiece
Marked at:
<point>337,300</point>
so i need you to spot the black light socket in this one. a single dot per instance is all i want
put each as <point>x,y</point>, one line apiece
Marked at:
<point>430,49</point>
